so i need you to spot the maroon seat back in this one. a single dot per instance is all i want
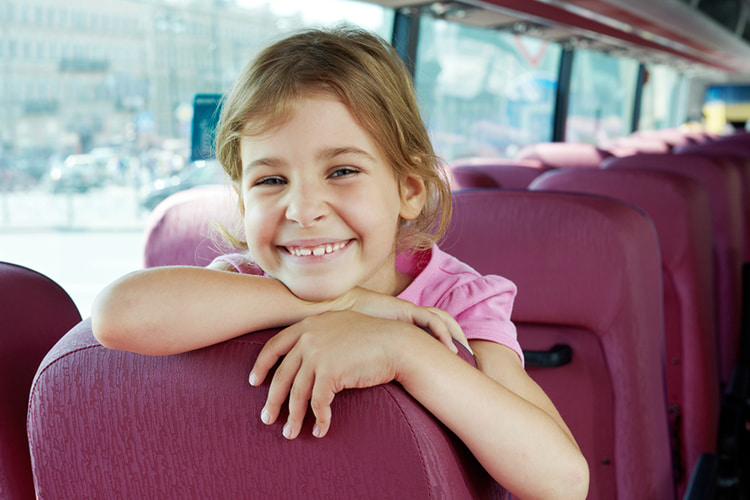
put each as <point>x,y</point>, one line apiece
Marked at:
<point>494,173</point>
<point>724,187</point>
<point>640,144</point>
<point>672,136</point>
<point>740,138</point>
<point>588,275</point>
<point>736,146</point>
<point>34,313</point>
<point>738,157</point>
<point>183,228</point>
<point>563,154</point>
<point>188,426</point>
<point>681,213</point>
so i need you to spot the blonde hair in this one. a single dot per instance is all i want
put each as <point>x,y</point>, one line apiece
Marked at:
<point>366,74</point>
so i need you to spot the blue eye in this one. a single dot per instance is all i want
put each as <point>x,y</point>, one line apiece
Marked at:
<point>342,171</point>
<point>269,181</point>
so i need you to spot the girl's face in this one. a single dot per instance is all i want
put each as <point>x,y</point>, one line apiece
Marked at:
<point>322,205</point>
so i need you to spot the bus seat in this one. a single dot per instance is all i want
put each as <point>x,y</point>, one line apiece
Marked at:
<point>639,144</point>
<point>672,136</point>
<point>34,313</point>
<point>740,159</point>
<point>588,275</point>
<point>741,138</point>
<point>563,154</point>
<point>729,147</point>
<point>494,173</point>
<point>680,211</point>
<point>724,187</point>
<point>180,230</point>
<point>621,151</point>
<point>188,426</point>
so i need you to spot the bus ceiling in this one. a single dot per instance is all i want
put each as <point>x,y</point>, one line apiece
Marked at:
<point>712,34</point>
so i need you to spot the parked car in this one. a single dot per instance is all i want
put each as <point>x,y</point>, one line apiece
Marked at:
<point>79,172</point>
<point>198,173</point>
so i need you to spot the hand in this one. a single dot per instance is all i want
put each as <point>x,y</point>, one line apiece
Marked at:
<point>323,355</point>
<point>438,322</point>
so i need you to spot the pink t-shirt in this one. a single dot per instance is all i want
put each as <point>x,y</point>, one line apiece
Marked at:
<point>480,304</point>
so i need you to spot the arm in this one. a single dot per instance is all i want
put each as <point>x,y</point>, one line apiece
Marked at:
<point>176,309</point>
<point>503,417</point>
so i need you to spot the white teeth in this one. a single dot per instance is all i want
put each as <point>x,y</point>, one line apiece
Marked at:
<point>316,251</point>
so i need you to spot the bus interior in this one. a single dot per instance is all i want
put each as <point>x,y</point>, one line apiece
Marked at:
<point>599,157</point>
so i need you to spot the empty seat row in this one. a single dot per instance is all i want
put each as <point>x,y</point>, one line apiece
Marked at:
<point>714,209</point>
<point>588,274</point>
<point>679,209</point>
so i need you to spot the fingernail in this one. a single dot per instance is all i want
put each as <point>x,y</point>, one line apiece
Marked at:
<point>316,431</point>
<point>454,348</point>
<point>287,431</point>
<point>265,416</point>
<point>253,379</point>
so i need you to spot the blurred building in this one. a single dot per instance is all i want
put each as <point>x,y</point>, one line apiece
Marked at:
<point>84,73</point>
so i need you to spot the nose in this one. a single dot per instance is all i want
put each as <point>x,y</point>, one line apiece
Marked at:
<point>306,205</point>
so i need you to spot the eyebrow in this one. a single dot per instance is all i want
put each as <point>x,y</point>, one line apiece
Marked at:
<point>331,153</point>
<point>325,154</point>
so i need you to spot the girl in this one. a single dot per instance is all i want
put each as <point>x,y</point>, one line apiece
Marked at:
<point>336,176</point>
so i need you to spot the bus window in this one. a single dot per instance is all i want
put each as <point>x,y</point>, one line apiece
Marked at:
<point>662,104</point>
<point>484,92</point>
<point>602,91</point>
<point>96,108</point>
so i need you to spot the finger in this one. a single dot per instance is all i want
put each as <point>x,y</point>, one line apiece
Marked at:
<point>452,325</point>
<point>277,346</point>
<point>438,327</point>
<point>322,397</point>
<point>281,384</point>
<point>450,321</point>
<point>299,397</point>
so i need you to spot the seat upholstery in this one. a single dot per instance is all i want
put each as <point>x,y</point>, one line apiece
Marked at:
<point>588,274</point>
<point>740,138</point>
<point>494,173</point>
<point>563,154</point>
<point>34,313</point>
<point>730,146</point>
<point>724,187</point>
<point>640,144</point>
<point>672,136</point>
<point>188,426</point>
<point>680,211</point>
<point>182,230</point>
<point>736,156</point>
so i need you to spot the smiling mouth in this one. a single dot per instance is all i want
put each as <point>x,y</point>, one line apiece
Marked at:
<point>317,251</point>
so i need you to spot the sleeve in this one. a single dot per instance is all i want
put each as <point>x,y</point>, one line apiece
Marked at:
<point>241,263</point>
<point>483,308</point>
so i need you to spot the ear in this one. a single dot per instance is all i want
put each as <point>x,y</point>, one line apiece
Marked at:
<point>413,196</point>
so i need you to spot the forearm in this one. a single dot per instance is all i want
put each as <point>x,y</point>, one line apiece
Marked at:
<point>176,309</point>
<point>519,444</point>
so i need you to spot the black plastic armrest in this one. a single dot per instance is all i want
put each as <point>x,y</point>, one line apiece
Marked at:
<point>558,355</point>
